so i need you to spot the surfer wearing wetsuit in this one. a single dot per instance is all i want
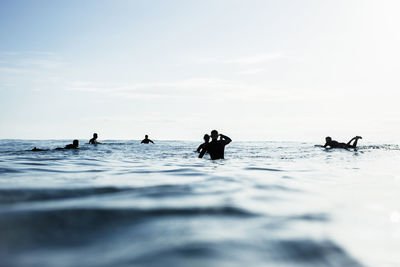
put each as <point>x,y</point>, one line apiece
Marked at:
<point>39,149</point>
<point>74,145</point>
<point>216,148</point>
<point>93,141</point>
<point>146,140</point>
<point>206,141</point>
<point>335,144</point>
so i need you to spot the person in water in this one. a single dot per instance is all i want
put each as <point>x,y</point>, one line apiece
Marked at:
<point>146,140</point>
<point>93,141</point>
<point>206,141</point>
<point>216,148</point>
<point>39,149</point>
<point>74,145</point>
<point>335,144</point>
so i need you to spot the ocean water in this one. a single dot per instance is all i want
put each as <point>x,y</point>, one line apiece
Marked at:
<point>267,204</point>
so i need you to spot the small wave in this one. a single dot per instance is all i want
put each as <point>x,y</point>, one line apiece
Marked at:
<point>317,217</point>
<point>276,187</point>
<point>8,196</point>
<point>315,253</point>
<point>70,223</point>
<point>381,147</point>
<point>9,170</point>
<point>178,171</point>
<point>262,169</point>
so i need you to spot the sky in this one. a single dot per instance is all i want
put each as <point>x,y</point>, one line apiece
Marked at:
<point>254,70</point>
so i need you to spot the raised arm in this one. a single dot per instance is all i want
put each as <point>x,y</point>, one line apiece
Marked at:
<point>226,139</point>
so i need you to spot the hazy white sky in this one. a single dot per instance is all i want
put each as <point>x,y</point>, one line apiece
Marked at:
<point>255,70</point>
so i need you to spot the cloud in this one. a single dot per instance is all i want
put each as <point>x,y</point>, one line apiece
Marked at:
<point>201,88</point>
<point>41,63</point>
<point>245,60</point>
<point>29,61</point>
<point>11,69</point>
<point>188,88</point>
<point>255,59</point>
<point>251,71</point>
<point>131,119</point>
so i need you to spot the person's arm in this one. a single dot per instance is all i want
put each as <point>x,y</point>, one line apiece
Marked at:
<point>226,139</point>
<point>151,141</point>
<point>199,148</point>
<point>203,151</point>
<point>142,142</point>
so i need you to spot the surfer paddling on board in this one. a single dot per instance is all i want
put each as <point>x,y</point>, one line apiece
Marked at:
<point>216,148</point>
<point>74,145</point>
<point>335,144</point>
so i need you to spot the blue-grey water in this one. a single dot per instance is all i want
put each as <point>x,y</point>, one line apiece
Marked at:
<point>267,204</point>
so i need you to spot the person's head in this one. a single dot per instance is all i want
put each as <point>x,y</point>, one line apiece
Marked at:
<point>214,134</point>
<point>328,139</point>
<point>146,136</point>
<point>206,138</point>
<point>95,135</point>
<point>75,143</point>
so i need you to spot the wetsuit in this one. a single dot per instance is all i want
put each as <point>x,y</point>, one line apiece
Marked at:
<point>146,141</point>
<point>93,141</point>
<point>70,146</point>
<point>336,144</point>
<point>202,146</point>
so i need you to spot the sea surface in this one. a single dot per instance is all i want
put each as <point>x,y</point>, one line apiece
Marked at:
<point>267,204</point>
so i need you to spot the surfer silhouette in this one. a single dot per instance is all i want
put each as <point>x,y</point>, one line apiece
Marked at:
<point>74,145</point>
<point>146,140</point>
<point>329,143</point>
<point>93,141</point>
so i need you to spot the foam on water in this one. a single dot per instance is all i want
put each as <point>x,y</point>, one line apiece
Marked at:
<point>267,204</point>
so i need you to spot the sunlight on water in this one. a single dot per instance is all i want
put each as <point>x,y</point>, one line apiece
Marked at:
<point>267,204</point>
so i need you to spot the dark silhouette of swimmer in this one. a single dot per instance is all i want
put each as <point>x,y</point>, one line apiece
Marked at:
<point>146,140</point>
<point>93,141</point>
<point>216,148</point>
<point>335,144</point>
<point>206,141</point>
<point>74,145</point>
<point>39,149</point>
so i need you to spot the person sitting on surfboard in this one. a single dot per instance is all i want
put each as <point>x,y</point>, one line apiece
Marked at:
<point>335,144</point>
